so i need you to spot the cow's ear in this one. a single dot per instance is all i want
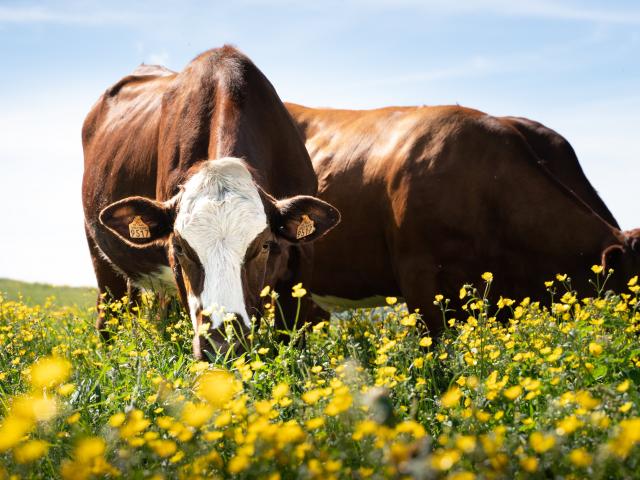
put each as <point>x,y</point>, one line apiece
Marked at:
<point>139,221</point>
<point>612,257</point>
<point>304,219</point>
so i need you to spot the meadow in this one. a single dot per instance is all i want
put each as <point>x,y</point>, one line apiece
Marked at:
<point>552,392</point>
<point>33,294</point>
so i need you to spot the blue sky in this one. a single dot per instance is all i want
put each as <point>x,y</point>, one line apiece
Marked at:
<point>571,65</point>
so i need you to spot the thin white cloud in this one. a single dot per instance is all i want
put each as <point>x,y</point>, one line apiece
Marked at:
<point>556,10</point>
<point>566,11</point>
<point>554,57</point>
<point>20,15</point>
<point>544,9</point>
<point>473,67</point>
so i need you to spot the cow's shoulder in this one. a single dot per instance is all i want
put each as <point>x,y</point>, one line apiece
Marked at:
<point>144,74</point>
<point>155,70</point>
<point>143,87</point>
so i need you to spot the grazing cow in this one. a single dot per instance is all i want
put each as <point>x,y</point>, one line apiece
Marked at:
<point>431,197</point>
<point>200,180</point>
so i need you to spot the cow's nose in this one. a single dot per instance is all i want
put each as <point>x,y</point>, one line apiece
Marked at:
<point>218,318</point>
<point>209,344</point>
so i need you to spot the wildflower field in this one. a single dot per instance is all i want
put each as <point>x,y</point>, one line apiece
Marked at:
<point>551,392</point>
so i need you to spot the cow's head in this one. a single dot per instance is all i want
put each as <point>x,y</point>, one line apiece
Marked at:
<point>225,238</point>
<point>624,258</point>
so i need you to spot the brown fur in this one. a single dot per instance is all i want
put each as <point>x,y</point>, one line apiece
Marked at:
<point>431,197</point>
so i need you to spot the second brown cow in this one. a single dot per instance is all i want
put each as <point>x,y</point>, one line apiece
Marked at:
<point>431,197</point>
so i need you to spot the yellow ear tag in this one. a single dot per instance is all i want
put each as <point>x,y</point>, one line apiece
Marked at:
<point>305,228</point>
<point>138,229</point>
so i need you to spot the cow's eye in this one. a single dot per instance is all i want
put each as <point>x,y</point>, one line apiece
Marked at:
<point>177,249</point>
<point>266,246</point>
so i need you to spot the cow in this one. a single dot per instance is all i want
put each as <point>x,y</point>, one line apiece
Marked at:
<point>431,197</point>
<point>199,183</point>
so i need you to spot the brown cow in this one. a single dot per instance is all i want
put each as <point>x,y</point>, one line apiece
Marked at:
<point>431,197</point>
<point>200,180</point>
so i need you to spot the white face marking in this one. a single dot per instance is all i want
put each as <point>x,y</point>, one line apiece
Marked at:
<point>220,214</point>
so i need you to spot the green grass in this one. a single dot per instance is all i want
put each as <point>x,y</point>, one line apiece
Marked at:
<point>554,392</point>
<point>37,293</point>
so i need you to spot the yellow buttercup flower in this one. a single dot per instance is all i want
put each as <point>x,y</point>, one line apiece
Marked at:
<point>314,423</point>
<point>445,459</point>
<point>12,429</point>
<point>487,276</point>
<point>73,418</point>
<point>513,392</point>
<point>298,291</point>
<point>451,398</point>
<point>364,428</point>
<point>624,408</point>
<point>164,448</point>
<point>36,408</point>
<point>541,442</point>
<point>280,391</point>
<point>89,448</point>
<point>466,443</point>
<point>580,457</point>
<point>117,419</point>
<point>568,425</point>
<point>217,387</point>
<point>586,401</point>
<point>595,349</point>
<point>529,464</point>
<point>265,291</point>
<point>135,424</point>
<point>196,414</point>
<point>66,389</point>
<point>49,372</point>
<point>31,451</point>
<point>339,403</point>
<point>624,386</point>
<point>461,475</point>
<point>238,463</point>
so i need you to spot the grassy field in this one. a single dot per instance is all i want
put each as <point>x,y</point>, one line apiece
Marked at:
<point>37,293</point>
<point>551,393</point>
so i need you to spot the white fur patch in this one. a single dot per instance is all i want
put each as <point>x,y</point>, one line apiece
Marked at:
<point>161,280</point>
<point>220,214</point>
